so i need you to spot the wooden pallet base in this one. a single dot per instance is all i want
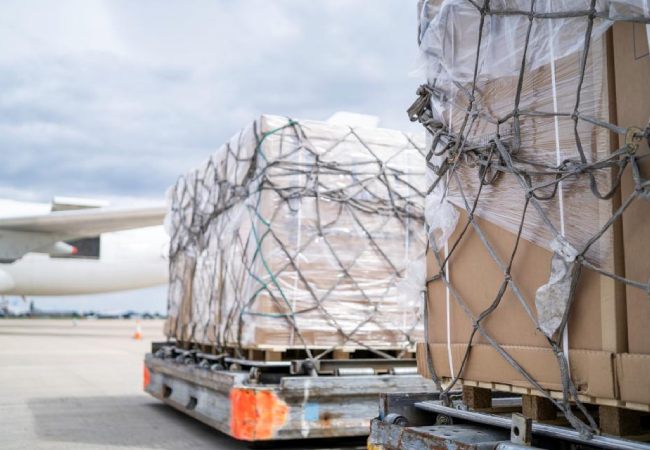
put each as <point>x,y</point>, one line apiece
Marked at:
<point>272,353</point>
<point>613,420</point>
<point>538,408</point>
<point>587,399</point>
<point>619,421</point>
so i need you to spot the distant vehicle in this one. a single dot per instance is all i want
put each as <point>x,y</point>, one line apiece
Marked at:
<point>118,314</point>
<point>79,246</point>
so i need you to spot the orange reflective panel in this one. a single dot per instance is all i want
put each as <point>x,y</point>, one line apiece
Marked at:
<point>146,378</point>
<point>255,415</point>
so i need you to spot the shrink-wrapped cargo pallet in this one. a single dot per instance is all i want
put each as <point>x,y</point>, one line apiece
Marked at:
<point>299,235</point>
<point>535,245</point>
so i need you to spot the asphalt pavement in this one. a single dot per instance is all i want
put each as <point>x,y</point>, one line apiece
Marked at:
<point>78,385</point>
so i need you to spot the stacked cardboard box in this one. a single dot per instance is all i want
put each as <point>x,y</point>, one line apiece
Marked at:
<point>631,54</point>
<point>609,325</point>
<point>298,234</point>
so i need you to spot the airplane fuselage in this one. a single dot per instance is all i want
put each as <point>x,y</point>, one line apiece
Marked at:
<point>123,260</point>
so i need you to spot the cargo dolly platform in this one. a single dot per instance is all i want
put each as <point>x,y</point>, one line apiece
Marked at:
<point>419,421</point>
<point>277,400</point>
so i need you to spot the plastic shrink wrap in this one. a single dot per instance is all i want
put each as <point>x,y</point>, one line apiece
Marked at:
<point>552,76</point>
<point>297,234</point>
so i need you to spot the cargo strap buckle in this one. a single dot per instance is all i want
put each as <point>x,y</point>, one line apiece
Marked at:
<point>633,138</point>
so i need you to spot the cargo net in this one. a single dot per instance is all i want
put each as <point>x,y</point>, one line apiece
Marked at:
<point>488,156</point>
<point>298,235</point>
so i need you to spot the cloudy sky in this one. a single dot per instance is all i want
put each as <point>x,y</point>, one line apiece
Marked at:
<point>114,99</point>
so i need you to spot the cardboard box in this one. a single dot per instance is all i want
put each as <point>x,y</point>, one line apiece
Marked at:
<point>632,66</point>
<point>633,376</point>
<point>477,279</point>
<point>593,372</point>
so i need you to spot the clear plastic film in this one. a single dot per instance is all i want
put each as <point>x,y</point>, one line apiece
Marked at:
<point>546,143</point>
<point>450,30</point>
<point>440,216</point>
<point>297,234</point>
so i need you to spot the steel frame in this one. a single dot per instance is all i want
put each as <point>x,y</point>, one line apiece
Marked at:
<point>419,421</point>
<point>238,403</point>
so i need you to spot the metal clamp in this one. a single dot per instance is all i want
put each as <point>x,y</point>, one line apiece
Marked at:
<point>521,431</point>
<point>254,375</point>
<point>633,138</point>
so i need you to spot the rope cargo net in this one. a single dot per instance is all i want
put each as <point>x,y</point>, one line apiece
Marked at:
<point>300,235</point>
<point>519,134</point>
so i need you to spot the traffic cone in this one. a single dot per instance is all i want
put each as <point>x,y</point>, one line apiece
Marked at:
<point>138,330</point>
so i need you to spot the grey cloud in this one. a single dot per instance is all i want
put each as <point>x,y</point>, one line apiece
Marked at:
<point>100,123</point>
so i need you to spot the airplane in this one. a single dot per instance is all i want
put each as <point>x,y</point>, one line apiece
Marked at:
<point>79,246</point>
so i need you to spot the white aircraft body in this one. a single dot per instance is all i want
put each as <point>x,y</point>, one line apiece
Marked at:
<point>73,247</point>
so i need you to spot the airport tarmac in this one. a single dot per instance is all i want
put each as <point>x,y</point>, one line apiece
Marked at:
<point>80,387</point>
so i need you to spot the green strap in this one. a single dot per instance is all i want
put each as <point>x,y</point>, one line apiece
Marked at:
<point>258,241</point>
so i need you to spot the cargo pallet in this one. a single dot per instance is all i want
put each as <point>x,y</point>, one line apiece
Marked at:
<point>419,421</point>
<point>259,400</point>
